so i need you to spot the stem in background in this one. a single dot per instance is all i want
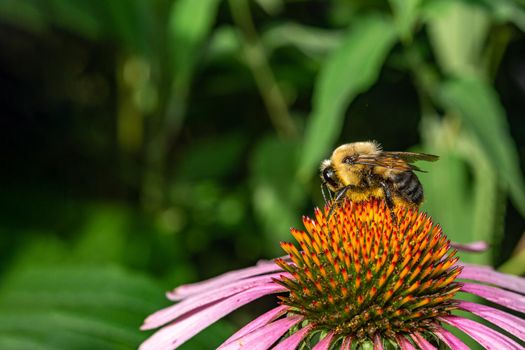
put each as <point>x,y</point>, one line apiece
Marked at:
<point>264,78</point>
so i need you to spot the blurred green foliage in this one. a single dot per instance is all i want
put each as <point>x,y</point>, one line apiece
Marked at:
<point>149,143</point>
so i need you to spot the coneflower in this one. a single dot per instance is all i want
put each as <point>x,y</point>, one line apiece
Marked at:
<point>358,279</point>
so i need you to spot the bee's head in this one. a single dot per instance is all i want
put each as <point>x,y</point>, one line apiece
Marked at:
<point>350,159</point>
<point>328,175</point>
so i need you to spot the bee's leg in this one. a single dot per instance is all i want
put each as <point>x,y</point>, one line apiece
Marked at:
<point>339,195</point>
<point>389,201</point>
<point>330,193</point>
<point>325,197</point>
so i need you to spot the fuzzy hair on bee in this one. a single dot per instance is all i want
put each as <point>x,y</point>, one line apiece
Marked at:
<point>361,170</point>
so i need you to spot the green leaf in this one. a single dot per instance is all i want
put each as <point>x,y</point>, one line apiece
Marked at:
<point>478,105</point>
<point>103,236</point>
<point>447,196</point>
<point>75,307</point>
<point>189,25</point>
<point>311,41</point>
<point>224,41</point>
<point>461,189</point>
<point>272,7</point>
<point>405,15</point>
<point>515,265</point>
<point>507,10</point>
<point>457,31</point>
<point>210,337</point>
<point>350,70</point>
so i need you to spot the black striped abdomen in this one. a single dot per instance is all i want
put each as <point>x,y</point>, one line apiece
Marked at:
<point>408,187</point>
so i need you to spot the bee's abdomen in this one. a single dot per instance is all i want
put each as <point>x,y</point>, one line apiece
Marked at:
<point>408,187</point>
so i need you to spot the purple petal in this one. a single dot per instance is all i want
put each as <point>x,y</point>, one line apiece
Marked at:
<point>259,322</point>
<point>488,338</point>
<point>378,344</point>
<point>405,344</point>
<point>197,301</point>
<point>347,343</point>
<point>324,344</point>
<point>512,324</point>
<point>186,290</point>
<point>488,275</point>
<point>263,338</point>
<point>293,340</point>
<point>422,342</point>
<point>473,247</point>
<point>499,296</point>
<point>450,339</point>
<point>173,335</point>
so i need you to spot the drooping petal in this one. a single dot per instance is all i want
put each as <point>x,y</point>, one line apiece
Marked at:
<point>422,342</point>
<point>173,335</point>
<point>347,343</point>
<point>262,267</point>
<point>378,344</point>
<point>324,344</point>
<point>404,343</point>
<point>512,324</point>
<point>488,275</point>
<point>488,338</point>
<point>171,313</point>
<point>473,247</point>
<point>293,340</point>
<point>502,297</point>
<point>450,339</point>
<point>264,337</point>
<point>259,322</point>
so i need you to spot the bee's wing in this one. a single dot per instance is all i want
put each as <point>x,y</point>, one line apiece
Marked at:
<point>410,157</point>
<point>396,160</point>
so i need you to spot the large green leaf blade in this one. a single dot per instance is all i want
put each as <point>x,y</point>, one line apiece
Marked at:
<point>350,70</point>
<point>457,31</point>
<point>461,189</point>
<point>75,307</point>
<point>479,107</point>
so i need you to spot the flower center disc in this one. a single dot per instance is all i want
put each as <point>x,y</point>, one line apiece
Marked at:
<point>360,274</point>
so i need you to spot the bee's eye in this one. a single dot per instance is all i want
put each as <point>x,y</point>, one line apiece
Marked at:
<point>329,176</point>
<point>350,160</point>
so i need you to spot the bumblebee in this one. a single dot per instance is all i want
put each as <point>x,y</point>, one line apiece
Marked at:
<point>361,170</point>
